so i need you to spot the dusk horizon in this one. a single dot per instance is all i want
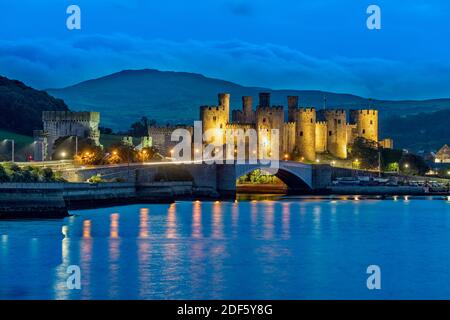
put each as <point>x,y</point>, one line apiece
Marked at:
<point>407,58</point>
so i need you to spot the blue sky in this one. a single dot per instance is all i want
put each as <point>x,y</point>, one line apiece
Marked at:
<point>280,44</point>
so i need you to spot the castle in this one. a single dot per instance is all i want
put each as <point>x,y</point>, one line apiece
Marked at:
<point>306,131</point>
<point>57,124</point>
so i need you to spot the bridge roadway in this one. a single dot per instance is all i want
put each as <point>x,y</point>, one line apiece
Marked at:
<point>214,179</point>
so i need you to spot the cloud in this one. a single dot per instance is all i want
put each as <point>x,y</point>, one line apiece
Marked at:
<point>47,63</point>
<point>240,8</point>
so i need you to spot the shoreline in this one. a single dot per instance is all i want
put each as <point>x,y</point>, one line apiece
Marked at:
<point>54,200</point>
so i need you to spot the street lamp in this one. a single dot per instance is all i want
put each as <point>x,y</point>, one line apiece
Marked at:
<point>12,148</point>
<point>63,154</point>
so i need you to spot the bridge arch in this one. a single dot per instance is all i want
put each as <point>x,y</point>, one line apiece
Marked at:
<point>293,180</point>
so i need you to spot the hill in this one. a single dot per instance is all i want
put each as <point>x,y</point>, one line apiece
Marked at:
<point>21,106</point>
<point>175,97</point>
<point>422,131</point>
<point>23,146</point>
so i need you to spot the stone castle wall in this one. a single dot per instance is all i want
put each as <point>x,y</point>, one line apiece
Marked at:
<point>337,132</point>
<point>321,136</point>
<point>305,119</point>
<point>306,130</point>
<point>57,124</point>
<point>366,123</point>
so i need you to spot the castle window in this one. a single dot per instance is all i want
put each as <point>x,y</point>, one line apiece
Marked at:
<point>339,121</point>
<point>221,126</point>
<point>214,118</point>
<point>311,120</point>
<point>371,122</point>
<point>364,131</point>
<point>330,133</point>
<point>264,119</point>
<point>301,133</point>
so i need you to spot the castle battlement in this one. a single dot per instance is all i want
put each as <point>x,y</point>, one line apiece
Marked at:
<point>307,129</point>
<point>83,116</point>
<point>307,109</point>
<point>211,108</point>
<point>271,109</point>
<point>338,112</point>
<point>365,111</point>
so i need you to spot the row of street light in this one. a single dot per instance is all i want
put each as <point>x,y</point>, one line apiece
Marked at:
<point>12,147</point>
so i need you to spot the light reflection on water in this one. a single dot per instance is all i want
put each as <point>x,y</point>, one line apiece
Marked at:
<point>268,248</point>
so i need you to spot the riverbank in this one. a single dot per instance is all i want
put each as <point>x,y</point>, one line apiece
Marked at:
<point>54,200</point>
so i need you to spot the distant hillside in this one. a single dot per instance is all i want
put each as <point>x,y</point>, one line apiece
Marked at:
<point>175,97</point>
<point>423,131</point>
<point>21,106</point>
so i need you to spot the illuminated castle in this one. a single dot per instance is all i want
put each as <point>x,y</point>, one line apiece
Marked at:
<point>306,132</point>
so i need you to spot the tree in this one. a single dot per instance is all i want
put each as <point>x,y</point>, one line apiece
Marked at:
<point>412,164</point>
<point>92,155</point>
<point>365,152</point>
<point>104,130</point>
<point>140,128</point>
<point>390,159</point>
<point>3,175</point>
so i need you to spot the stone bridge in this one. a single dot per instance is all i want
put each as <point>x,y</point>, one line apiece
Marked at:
<point>213,180</point>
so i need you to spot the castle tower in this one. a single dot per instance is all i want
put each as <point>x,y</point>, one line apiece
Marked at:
<point>264,99</point>
<point>337,132</point>
<point>268,118</point>
<point>247,103</point>
<point>224,102</point>
<point>216,118</point>
<point>247,109</point>
<point>306,133</point>
<point>366,123</point>
<point>292,106</point>
<point>321,136</point>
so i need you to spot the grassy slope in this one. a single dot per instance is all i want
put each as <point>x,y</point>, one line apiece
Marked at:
<point>22,145</point>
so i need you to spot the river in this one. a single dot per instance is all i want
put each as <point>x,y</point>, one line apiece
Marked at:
<point>278,248</point>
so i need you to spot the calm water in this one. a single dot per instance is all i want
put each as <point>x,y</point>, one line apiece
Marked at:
<point>292,249</point>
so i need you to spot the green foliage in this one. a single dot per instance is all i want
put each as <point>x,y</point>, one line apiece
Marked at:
<point>391,167</point>
<point>10,172</point>
<point>366,152</point>
<point>422,131</point>
<point>23,106</point>
<point>390,159</point>
<point>140,128</point>
<point>3,175</point>
<point>412,164</point>
<point>258,177</point>
<point>96,179</point>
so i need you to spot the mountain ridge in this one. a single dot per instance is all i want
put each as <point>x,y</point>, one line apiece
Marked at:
<point>22,106</point>
<point>175,97</point>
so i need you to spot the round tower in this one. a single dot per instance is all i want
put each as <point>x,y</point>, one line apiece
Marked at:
<point>366,123</point>
<point>292,106</point>
<point>337,132</point>
<point>264,100</point>
<point>306,133</point>
<point>247,109</point>
<point>224,102</point>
